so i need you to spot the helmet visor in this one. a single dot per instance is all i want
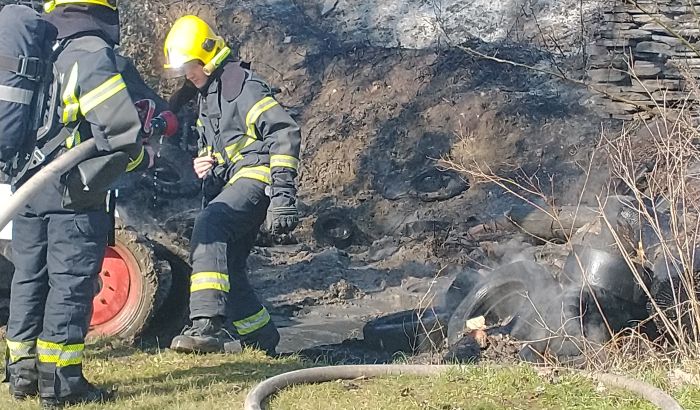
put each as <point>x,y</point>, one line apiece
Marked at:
<point>181,70</point>
<point>175,61</point>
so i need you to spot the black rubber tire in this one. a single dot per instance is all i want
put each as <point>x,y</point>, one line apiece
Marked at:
<point>668,294</point>
<point>438,185</point>
<point>483,300</point>
<point>173,313</point>
<point>335,228</point>
<point>410,332</point>
<point>133,319</point>
<point>464,282</point>
<point>175,177</point>
<point>486,297</point>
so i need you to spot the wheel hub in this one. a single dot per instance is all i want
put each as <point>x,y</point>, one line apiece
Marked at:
<point>115,282</point>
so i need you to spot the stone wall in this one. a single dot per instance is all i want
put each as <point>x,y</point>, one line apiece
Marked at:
<point>638,56</point>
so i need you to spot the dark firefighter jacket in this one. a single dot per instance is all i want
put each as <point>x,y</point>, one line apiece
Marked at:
<point>96,104</point>
<point>248,132</point>
<point>94,101</point>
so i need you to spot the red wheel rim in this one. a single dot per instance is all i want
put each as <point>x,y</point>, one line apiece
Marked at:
<point>118,270</point>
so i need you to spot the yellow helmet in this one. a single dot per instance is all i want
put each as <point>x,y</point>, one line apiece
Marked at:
<point>191,39</point>
<point>50,5</point>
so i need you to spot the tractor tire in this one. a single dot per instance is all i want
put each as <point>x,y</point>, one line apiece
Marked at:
<point>132,285</point>
<point>174,312</point>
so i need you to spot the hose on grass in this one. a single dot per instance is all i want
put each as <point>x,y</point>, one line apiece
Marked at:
<point>273,385</point>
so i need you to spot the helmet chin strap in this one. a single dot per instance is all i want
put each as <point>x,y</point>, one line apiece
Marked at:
<point>215,62</point>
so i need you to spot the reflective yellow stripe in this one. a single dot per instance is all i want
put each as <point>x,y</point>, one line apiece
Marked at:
<point>284,161</point>
<point>58,354</point>
<point>251,324</point>
<point>136,162</point>
<point>209,151</point>
<point>21,350</point>
<point>50,5</point>
<point>233,151</point>
<point>71,106</point>
<point>255,113</point>
<point>73,139</point>
<point>259,173</point>
<point>199,123</point>
<point>100,94</point>
<point>209,281</point>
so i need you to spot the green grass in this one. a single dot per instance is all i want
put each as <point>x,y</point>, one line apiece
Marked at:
<point>165,380</point>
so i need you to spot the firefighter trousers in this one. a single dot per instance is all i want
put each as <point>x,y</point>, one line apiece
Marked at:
<point>223,236</point>
<point>57,255</point>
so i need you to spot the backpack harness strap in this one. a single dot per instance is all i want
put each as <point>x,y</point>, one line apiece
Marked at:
<point>16,95</point>
<point>33,69</point>
<point>29,67</point>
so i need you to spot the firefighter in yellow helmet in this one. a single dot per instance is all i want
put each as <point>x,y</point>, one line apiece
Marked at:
<point>60,236</point>
<point>248,159</point>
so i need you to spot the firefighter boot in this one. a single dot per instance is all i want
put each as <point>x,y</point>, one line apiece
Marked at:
<point>203,337</point>
<point>265,339</point>
<point>23,379</point>
<point>90,394</point>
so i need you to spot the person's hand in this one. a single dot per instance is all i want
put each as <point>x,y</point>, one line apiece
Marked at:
<point>202,165</point>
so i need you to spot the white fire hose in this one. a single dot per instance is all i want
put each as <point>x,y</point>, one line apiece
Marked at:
<point>59,166</point>
<point>274,385</point>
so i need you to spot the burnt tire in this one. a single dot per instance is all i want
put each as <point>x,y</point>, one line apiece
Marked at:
<point>503,296</point>
<point>438,185</point>
<point>129,290</point>
<point>172,176</point>
<point>410,331</point>
<point>463,283</point>
<point>675,303</point>
<point>335,228</point>
<point>486,300</point>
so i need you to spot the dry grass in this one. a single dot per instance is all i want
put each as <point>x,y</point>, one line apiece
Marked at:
<point>158,380</point>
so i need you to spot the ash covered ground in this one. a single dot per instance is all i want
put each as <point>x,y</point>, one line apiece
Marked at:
<point>382,93</point>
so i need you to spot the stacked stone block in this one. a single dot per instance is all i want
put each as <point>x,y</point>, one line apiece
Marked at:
<point>643,56</point>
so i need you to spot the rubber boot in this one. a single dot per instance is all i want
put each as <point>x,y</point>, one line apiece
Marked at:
<point>203,337</point>
<point>92,394</point>
<point>265,339</point>
<point>23,379</point>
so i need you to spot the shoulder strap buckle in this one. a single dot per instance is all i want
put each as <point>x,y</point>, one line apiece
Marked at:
<point>38,157</point>
<point>29,67</point>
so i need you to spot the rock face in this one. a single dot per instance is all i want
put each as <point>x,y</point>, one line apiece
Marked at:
<point>643,56</point>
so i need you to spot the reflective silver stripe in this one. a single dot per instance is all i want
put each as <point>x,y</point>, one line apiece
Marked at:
<point>59,354</point>
<point>70,358</point>
<point>16,95</point>
<point>284,161</point>
<point>71,105</point>
<point>260,173</point>
<point>258,109</point>
<point>21,350</point>
<point>251,324</point>
<point>209,281</point>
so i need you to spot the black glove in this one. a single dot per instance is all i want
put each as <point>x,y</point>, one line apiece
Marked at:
<point>282,215</point>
